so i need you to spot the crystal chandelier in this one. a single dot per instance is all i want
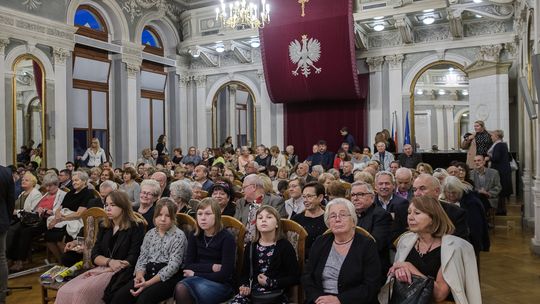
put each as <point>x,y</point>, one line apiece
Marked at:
<point>244,14</point>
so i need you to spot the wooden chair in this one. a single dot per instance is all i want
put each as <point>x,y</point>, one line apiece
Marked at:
<point>359,230</point>
<point>186,223</point>
<point>238,230</point>
<point>95,193</point>
<point>238,183</point>
<point>296,235</point>
<point>145,223</point>
<point>204,194</point>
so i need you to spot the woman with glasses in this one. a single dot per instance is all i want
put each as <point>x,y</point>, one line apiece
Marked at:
<point>209,263</point>
<point>222,192</point>
<point>95,153</point>
<point>343,266</point>
<point>149,194</point>
<point>312,218</point>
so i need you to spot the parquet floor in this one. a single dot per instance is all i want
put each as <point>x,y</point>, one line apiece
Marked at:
<point>510,274</point>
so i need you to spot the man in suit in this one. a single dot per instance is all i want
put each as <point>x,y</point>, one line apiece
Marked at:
<point>384,186</point>
<point>426,184</point>
<point>374,219</point>
<point>7,204</point>
<point>254,197</point>
<point>486,182</point>
<point>404,183</point>
<point>408,158</point>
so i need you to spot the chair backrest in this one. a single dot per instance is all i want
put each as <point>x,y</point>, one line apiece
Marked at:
<point>359,230</point>
<point>237,229</point>
<point>186,223</point>
<point>144,222</point>
<point>95,193</point>
<point>91,219</point>
<point>296,235</point>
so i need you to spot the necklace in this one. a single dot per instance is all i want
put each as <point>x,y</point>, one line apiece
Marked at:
<point>207,243</point>
<point>418,248</point>
<point>343,243</point>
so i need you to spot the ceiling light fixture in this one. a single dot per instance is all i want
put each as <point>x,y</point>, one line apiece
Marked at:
<point>378,27</point>
<point>428,20</point>
<point>429,10</point>
<point>464,114</point>
<point>220,49</point>
<point>442,92</point>
<point>419,92</point>
<point>255,44</point>
<point>378,18</point>
<point>465,92</point>
<point>477,1</point>
<point>478,16</point>
<point>244,14</point>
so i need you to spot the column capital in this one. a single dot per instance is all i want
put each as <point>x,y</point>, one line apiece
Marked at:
<point>394,61</point>
<point>132,69</point>
<point>489,52</point>
<point>200,80</point>
<point>482,68</point>
<point>375,63</point>
<point>183,80</point>
<point>60,55</point>
<point>4,41</point>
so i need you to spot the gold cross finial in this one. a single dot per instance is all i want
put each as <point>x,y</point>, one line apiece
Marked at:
<point>303,3</point>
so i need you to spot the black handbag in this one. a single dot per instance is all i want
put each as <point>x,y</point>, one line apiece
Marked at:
<point>262,297</point>
<point>30,219</point>
<point>420,291</point>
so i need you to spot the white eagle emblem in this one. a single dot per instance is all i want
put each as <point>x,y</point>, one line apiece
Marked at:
<point>305,55</point>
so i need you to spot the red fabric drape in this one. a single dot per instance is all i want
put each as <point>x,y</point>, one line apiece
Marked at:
<point>327,51</point>
<point>307,123</point>
<point>38,79</point>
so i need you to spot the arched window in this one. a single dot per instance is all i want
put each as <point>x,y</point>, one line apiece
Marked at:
<point>90,95</point>
<point>90,23</point>
<point>151,41</point>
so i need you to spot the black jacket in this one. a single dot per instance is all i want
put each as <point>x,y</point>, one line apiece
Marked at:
<point>378,223</point>
<point>395,201</point>
<point>283,265</point>
<point>127,246</point>
<point>359,277</point>
<point>7,198</point>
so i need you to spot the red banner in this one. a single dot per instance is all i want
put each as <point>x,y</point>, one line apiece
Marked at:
<point>310,57</point>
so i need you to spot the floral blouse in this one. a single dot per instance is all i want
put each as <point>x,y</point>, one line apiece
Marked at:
<point>169,248</point>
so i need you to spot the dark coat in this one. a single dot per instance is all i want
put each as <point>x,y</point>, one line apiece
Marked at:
<point>127,246</point>
<point>378,223</point>
<point>7,198</point>
<point>409,161</point>
<point>359,277</point>
<point>283,265</point>
<point>457,215</point>
<point>500,161</point>
<point>394,202</point>
<point>477,221</point>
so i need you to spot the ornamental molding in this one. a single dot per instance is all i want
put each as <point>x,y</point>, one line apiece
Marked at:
<point>394,61</point>
<point>490,52</point>
<point>132,70</point>
<point>39,30</point>
<point>200,80</point>
<point>3,43</point>
<point>164,8</point>
<point>375,63</point>
<point>487,27</point>
<point>385,39</point>
<point>184,80</point>
<point>31,4</point>
<point>405,28</point>
<point>455,23</point>
<point>60,56</point>
<point>432,33</point>
<point>132,53</point>
<point>360,37</point>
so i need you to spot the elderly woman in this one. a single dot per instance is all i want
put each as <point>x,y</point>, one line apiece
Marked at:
<point>429,249</point>
<point>147,157</point>
<point>424,168</point>
<point>441,174</point>
<point>131,187</point>
<point>23,233</point>
<point>181,194</point>
<point>325,179</point>
<point>74,204</point>
<point>30,196</point>
<point>500,161</point>
<point>150,192</point>
<point>223,193</point>
<point>95,174</point>
<point>277,159</point>
<point>244,159</point>
<point>462,194</point>
<point>343,266</point>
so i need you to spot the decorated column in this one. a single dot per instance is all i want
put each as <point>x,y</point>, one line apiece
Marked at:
<point>4,41</point>
<point>201,139</point>
<point>394,94</point>
<point>232,114</point>
<point>183,82</point>
<point>375,97</point>
<point>133,71</point>
<point>58,154</point>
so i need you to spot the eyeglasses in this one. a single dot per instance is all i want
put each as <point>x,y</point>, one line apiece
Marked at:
<point>308,196</point>
<point>334,216</point>
<point>144,193</point>
<point>247,186</point>
<point>360,194</point>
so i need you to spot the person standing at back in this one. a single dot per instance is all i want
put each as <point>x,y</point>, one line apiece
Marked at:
<point>7,203</point>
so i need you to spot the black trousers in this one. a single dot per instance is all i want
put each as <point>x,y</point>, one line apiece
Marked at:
<point>21,237</point>
<point>156,293</point>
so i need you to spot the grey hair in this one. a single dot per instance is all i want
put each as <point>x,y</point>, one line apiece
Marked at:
<point>181,190</point>
<point>453,184</point>
<point>334,172</point>
<point>440,172</point>
<point>362,183</point>
<point>81,175</point>
<point>318,168</point>
<point>154,185</point>
<point>50,179</point>
<point>255,164</point>
<point>381,173</point>
<point>109,184</point>
<point>498,133</point>
<point>404,171</point>
<point>254,179</point>
<point>340,201</point>
<point>196,185</point>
